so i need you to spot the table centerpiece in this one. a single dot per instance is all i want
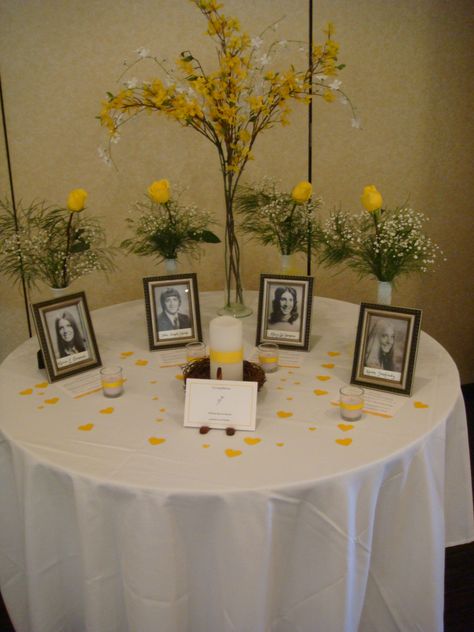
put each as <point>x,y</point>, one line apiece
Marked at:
<point>165,229</point>
<point>380,242</point>
<point>52,244</point>
<point>229,106</point>
<point>281,219</point>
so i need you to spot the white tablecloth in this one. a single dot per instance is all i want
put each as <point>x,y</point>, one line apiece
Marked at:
<point>116,518</point>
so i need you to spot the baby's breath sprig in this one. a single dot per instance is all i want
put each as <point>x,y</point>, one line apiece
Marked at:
<point>278,219</point>
<point>55,245</point>
<point>383,243</point>
<point>165,229</point>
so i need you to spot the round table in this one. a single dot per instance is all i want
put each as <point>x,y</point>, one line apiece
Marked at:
<point>117,518</point>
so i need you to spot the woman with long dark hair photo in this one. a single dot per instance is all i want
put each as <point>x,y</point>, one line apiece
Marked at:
<point>68,335</point>
<point>284,312</point>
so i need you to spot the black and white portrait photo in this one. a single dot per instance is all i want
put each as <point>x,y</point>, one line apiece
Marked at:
<point>66,336</point>
<point>172,310</point>
<point>284,312</point>
<point>386,347</point>
<point>69,339</point>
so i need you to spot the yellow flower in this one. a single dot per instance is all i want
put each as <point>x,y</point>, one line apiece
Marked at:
<point>76,200</point>
<point>371,198</point>
<point>159,191</point>
<point>302,192</point>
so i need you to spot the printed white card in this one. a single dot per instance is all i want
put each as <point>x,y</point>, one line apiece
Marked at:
<point>220,404</point>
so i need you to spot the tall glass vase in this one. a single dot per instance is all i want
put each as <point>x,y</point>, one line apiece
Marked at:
<point>384,292</point>
<point>234,304</point>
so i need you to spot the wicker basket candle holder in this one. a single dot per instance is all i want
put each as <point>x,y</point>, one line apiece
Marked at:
<point>201,369</point>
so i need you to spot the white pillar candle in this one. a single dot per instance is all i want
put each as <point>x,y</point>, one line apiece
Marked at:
<point>226,348</point>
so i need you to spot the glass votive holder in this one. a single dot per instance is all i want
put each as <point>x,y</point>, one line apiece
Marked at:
<point>112,381</point>
<point>268,356</point>
<point>195,350</point>
<point>351,402</point>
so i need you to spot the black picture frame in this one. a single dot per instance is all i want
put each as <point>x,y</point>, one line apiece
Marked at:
<point>66,336</point>
<point>386,347</point>
<point>181,289</point>
<point>289,331</point>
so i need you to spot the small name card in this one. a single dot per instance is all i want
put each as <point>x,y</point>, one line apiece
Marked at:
<point>220,404</point>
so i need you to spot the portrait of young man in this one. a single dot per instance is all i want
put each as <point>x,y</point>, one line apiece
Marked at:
<point>172,318</point>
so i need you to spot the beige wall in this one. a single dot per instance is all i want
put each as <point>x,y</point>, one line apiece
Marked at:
<point>409,71</point>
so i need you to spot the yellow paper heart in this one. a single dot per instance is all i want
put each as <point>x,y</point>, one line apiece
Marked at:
<point>345,427</point>
<point>344,441</point>
<point>153,381</point>
<point>107,411</point>
<point>27,391</point>
<point>162,410</point>
<point>252,440</point>
<point>328,365</point>
<point>323,378</point>
<point>155,398</point>
<point>206,445</point>
<point>283,379</point>
<point>318,391</point>
<point>289,399</point>
<point>283,414</point>
<point>333,354</point>
<point>280,445</point>
<point>420,405</point>
<point>53,400</point>
<point>312,428</point>
<point>86,427</point>
<point>296,382</point>
<point>156,440</point>
<point>141,362</point>
<point>179,376</point>
<point>41,385</point>
<point>159,419</point>
<point>231,453</point>
<point>126,354</point>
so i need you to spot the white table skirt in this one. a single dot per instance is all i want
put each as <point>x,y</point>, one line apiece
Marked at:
<point>102,530</point>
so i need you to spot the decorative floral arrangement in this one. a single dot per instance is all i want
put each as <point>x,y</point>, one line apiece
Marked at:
<point>165,229</point>
<point>284,220</point>
<point>52,244</point>
<point>383,243</point>
<point>230,105</point>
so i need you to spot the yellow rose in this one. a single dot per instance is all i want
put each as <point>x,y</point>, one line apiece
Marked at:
<point>159,191</point>
<point>302,192</point>
<point>371,198</point>
<point>76,200</point>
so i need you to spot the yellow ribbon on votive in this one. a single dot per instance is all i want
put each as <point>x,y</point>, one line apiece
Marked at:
<point>112,384</point>
<point>351,406</point>
<point>265,360</point>
<point>226,357</point>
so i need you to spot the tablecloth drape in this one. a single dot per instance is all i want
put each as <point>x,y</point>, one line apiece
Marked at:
<point>116,518</point>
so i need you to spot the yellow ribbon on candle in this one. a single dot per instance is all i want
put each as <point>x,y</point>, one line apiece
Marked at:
<point>351,406</point>
<point>226,357</point>
<point>112,384</point>
<point>265,360</point>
